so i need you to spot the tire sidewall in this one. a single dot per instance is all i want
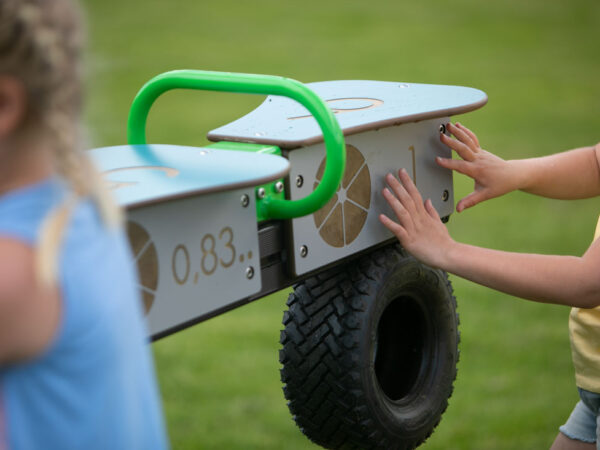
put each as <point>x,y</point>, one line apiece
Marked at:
<point>417,413</point>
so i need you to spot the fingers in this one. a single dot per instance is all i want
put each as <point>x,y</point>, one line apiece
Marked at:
<point>410,187</point>
<point>406,202</point>
<point>394,227</point>
<point>469,132</point>
<point>431,210</point>
<point>405,222</point>
<point>464,137</point>
<point>463,150</point>
<point>466,143</point>
<point>454,164</point>
<point>399,189</point>
<point>397,206</point>
<point>470,200</point>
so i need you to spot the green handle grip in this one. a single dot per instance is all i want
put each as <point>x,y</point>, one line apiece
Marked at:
<point>254,84</point>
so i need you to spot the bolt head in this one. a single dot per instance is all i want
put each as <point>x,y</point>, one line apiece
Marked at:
<point>442,129</point>
<point>245,200</point>
<point>303,251</point>
<point>279,187</point>
<point>299,181</point>
<point>260,193</point>
<point>249,272</point>
<point>445,195</point>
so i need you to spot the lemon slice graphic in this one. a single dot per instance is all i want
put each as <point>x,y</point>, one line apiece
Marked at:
<point>341,220</point>
<point>146,260</point>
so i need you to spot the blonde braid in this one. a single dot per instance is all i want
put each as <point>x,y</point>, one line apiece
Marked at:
<point>40,44</point>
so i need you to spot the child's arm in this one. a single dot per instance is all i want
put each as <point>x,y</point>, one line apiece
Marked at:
<point>568,175</point>
<point>565,280</point>
<point>29,313</point>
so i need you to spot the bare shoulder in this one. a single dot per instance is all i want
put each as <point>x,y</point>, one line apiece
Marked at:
<point>16,268</point>
<point>29,312</point>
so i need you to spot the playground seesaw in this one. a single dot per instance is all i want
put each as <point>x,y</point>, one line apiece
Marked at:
<point>289,195</point>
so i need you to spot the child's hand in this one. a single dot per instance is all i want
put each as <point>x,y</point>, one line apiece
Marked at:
<point>492,175</point>
<point>419,228</point>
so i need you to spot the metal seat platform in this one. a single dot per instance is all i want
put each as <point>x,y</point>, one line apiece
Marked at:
<point>359,106</point>
<point>141,175</point>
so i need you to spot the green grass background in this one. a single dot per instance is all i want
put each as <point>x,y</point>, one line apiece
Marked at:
<point>537,60</point>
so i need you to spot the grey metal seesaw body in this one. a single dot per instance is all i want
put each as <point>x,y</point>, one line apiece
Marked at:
<point>193,222</point>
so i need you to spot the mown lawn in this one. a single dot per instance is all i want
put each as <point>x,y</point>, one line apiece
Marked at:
<point>539,63</point>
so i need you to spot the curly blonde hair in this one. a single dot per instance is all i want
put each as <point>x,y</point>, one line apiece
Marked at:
<point>41,45</point>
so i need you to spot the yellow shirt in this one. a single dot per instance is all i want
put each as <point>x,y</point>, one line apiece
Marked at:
<point>584,331</point>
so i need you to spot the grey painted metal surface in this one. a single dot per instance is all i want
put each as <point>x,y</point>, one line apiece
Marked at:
<point>146,174</point>
<point>359,106</point>
<point>192,211</point>
<point>195,255</point>
<point>350,222</point>
<point>191,223</point>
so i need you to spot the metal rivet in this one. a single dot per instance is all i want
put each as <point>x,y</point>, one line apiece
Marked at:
<point>245,200</point>
<point>249,272</point>
<point>279,187</point>
<point>299,181</point>
<point>443,129</point>
<point>303,251</point>
<point>260,192</point>
<point>445,195</point>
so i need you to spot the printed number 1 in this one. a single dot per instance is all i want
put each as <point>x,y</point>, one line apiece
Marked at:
<point>411,149</point>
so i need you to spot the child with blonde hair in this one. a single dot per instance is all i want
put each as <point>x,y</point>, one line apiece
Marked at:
<point>563,280</point>
<point>75,370</point>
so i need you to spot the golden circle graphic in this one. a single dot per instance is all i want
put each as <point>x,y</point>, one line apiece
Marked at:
<point>342,219</point>
<point>146,260</point>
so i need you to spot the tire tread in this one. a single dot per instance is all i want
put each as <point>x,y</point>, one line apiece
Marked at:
<point>320,372</point>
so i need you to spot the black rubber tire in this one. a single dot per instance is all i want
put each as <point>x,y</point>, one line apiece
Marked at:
<point>369,352</point>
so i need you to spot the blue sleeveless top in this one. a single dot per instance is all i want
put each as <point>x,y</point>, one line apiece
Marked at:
<point>95,387</point>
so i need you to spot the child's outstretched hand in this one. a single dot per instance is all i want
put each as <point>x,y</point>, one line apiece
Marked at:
<point>418,227</point>
<point>492,175</point>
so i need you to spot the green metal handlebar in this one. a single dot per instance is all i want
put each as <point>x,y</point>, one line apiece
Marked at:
<point>254,84</point>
